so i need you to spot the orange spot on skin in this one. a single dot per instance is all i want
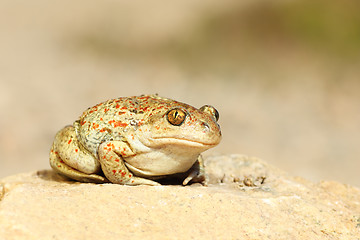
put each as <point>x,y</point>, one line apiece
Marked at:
<point>121,113</point>
<point>62,161</point>
<point>117,160</point>
<point>120,124</point>
<point>69,141</point>
<point>82,123</point>
<point>106,109</point>
<point>123,174</point>
<point>95,125</point>
<point>117,105</point>
<point>76,150</point>
<point>144,109</point>
<point>94,109</point>
<point>114,171</point>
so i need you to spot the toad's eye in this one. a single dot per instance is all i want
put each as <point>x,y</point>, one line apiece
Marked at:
<point>176,116</point>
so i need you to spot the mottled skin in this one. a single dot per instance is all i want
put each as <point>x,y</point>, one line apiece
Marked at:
<point>134,140</point>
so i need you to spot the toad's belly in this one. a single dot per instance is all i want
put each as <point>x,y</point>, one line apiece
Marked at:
<point>159,163</point>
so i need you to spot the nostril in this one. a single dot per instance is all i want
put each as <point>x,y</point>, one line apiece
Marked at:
<point>206,126</point>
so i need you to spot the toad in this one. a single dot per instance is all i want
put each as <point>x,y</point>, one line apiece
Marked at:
<point>136,140</point>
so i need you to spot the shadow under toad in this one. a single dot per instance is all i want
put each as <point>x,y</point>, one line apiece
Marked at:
<point>51,175</point>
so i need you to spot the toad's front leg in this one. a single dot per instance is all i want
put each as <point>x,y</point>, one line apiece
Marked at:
<point>112,164</point>
<point>197,173</point>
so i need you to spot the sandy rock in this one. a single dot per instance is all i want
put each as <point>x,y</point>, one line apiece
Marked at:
<point>245,199</point>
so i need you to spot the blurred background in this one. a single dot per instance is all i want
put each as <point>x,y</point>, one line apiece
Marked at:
<point>284,75</point>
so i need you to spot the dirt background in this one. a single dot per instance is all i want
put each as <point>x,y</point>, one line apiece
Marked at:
<point>283,75</point>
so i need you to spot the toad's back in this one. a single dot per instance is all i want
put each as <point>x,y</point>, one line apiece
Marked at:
<point>118,118</point>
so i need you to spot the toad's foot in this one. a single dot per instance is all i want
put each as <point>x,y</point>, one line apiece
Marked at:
<point>197,173</point>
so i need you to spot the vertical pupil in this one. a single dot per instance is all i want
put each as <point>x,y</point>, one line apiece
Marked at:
<point>175,114</point>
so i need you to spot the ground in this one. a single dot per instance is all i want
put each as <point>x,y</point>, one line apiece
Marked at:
<point>246,198</point>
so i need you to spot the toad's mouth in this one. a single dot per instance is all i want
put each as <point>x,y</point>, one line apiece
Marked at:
<point>182,141</point>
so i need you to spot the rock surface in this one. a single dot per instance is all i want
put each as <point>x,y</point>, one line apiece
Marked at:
<point>245,199</point>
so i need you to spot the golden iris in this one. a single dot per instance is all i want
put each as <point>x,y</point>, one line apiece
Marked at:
<point>176,116</point>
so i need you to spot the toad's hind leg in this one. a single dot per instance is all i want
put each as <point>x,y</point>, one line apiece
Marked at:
<point>62,168</point>
<point>70,159</point>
